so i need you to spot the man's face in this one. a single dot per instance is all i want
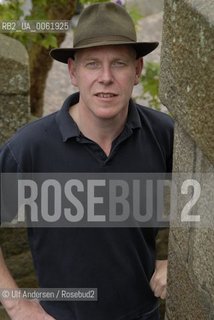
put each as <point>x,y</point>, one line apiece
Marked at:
<point>105,77</point>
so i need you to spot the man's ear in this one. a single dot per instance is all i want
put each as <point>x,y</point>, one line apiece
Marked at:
<point>139,68</point>
<point>72,71</point>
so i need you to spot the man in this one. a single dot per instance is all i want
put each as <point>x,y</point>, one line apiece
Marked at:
<point>100,129</point>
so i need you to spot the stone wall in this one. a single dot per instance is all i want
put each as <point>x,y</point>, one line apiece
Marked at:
<point>14,87</point>
<point>14,113</point>
<point>186,88</point>
<point>145,7</point>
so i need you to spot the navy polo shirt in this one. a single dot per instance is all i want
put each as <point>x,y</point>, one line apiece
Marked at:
<point>119,262</point>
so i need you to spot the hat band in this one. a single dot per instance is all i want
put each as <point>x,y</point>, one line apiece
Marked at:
<point>95,41</point>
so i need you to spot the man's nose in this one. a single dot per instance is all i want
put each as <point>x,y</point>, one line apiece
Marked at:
<point>106,75</point>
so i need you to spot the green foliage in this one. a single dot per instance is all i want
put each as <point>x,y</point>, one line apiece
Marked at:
<point>135,15</point>
<point>150,83</point>
<point>92,1</point>
<point>49,41</point>
<point>12,10</point>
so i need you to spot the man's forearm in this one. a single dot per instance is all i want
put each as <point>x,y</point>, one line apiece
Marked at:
<point>7,281</point>
<point>19,309</point>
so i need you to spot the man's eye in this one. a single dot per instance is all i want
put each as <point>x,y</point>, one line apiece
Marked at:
<point>119,63</point>
<point>92,65</point>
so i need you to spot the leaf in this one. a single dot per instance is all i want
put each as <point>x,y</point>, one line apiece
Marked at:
<point>135,14</point>
<point>150,83</point>
<point>49,41</point>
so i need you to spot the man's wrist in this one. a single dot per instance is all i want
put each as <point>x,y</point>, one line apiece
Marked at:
<point>12,306</point>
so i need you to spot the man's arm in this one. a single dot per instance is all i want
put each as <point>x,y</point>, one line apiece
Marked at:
<point>158,281</point>
<point>19,309</point>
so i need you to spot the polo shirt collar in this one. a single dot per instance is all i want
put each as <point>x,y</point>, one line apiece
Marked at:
<point>68,127</point>
<point>133,119</point>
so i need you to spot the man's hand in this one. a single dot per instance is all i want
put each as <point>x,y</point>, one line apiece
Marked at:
<point>19,309</point>
<point>28,309</point>
<point>158,281</point>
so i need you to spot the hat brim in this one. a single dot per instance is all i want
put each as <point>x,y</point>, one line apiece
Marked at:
<point>142,49</point>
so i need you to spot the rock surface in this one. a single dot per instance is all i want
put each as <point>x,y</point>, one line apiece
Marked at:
<point>186,88</point>
<point>14,82</point>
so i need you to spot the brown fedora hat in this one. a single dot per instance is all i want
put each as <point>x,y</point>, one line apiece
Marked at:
<point>103,24</point>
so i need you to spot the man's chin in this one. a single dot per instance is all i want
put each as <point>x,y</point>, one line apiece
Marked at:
<point>106,114</point>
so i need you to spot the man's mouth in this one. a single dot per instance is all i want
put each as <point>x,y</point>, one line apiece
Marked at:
<point>105,95</point>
